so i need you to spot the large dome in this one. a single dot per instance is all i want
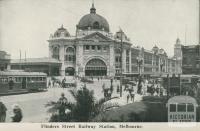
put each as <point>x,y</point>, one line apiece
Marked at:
<point>93,21</point>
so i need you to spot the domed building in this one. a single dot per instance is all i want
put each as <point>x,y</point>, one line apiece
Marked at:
<point>93,21</point>
<point>95,51</point>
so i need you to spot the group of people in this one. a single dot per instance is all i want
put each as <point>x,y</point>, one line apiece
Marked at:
<point>60,83</point>
<point>17,113</point>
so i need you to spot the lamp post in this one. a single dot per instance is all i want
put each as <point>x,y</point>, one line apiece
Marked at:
<point>139,63</point>
<point>121,43</point>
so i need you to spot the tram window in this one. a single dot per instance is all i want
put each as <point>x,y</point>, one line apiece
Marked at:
<point>40,78</point>
<point>28,79</point>
<point>33,79</point>
<point>182,107</point>
<point>190,108</point>
<point>172,108</point>
<point>18,79</point>
<point>4,80</point>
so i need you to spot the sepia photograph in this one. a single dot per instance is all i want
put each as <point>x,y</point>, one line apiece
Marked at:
<point>99,61</point>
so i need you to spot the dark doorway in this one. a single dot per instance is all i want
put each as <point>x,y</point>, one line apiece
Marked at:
<point>95,67</point>
<point>69,71</point>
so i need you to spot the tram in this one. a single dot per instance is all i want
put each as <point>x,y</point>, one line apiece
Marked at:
<point>181,85</point>
<point>14,82</point>
<point>182,109</point>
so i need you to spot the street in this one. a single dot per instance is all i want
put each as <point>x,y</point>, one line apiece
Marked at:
<point>33,104</point>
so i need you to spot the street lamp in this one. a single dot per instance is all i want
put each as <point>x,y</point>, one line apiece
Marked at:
<point>121,33</point>
<point>139,63</point>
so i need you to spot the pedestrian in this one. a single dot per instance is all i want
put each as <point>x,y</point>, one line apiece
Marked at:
<point>49,84</point>
<point>132,95</point>
<point>127,97</point>
<point>118,89</point>
<point>11,84</point>
<point>17,113</point>
<point>64,83</point>
<point>3,110</point>
<point>53,83</point>
<point>111,88</point>
<point>62,103</point>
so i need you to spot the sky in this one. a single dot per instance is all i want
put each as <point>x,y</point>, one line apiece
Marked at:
<point>27,24</point>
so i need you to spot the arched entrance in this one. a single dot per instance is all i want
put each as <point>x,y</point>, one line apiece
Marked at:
<point>95,67</point>
<point>69,71</point>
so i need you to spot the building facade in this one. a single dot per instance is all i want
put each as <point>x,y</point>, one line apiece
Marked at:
<point>49,66</point>
<point>95,51</point>
<point>4,61</point>
<point>191,59</point>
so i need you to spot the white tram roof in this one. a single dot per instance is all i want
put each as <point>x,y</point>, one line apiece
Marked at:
<point>21,73</point>
<point>183,75</point>
<point>182,99</point>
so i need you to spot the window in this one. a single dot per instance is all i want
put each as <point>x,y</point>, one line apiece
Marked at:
<point>17,79</point>
<point>104,48</point>
<point>172,108</point>
<point>93,47</point>
<point>96,25</point>
<point>87,47</point>
<point>98,47</point>
<point>70,54</point>
<point>190,108</point>
<point>182,107</point>
<point>55,53</point>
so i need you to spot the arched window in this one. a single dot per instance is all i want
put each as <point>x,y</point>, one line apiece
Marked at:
<point>56,53</point>
<point>96,25</point>
<point>117,51</point>
<point>70,55</point>
<point>70,50</point>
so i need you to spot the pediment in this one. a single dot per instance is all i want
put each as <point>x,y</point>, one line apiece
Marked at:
<point>96,37</point>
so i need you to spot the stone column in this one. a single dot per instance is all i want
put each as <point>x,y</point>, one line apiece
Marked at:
<point>61,58</point>
<point>79,60</point>
<point>130,61</point>
<point>112,62</point>
<point>50,51</point>
<point>124,60</point>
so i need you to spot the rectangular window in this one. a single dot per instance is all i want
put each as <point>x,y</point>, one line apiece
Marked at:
<point>182,107</point>
<point>104,48</point>
<point>93,47</point>
<point>18,79</point>
<point>190,108</point>
<point>172,108</point>
<point>87,47</point>
<point>98,47</point>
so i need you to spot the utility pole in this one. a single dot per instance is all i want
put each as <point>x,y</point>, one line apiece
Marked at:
<point>20,59</point>
<point>121,63</point>
<point>168,84</point>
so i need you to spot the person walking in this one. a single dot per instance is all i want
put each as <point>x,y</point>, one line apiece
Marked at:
<point>132,95</point>
<point>127,97</point>
<point>3,110</point>
<point>11,84</point>
<point>49,84</point>
<point>118,89</point>
<point>17,114</point>
<point>64,83</point>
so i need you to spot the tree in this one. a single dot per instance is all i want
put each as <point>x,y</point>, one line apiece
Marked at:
<point>84,109</point>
